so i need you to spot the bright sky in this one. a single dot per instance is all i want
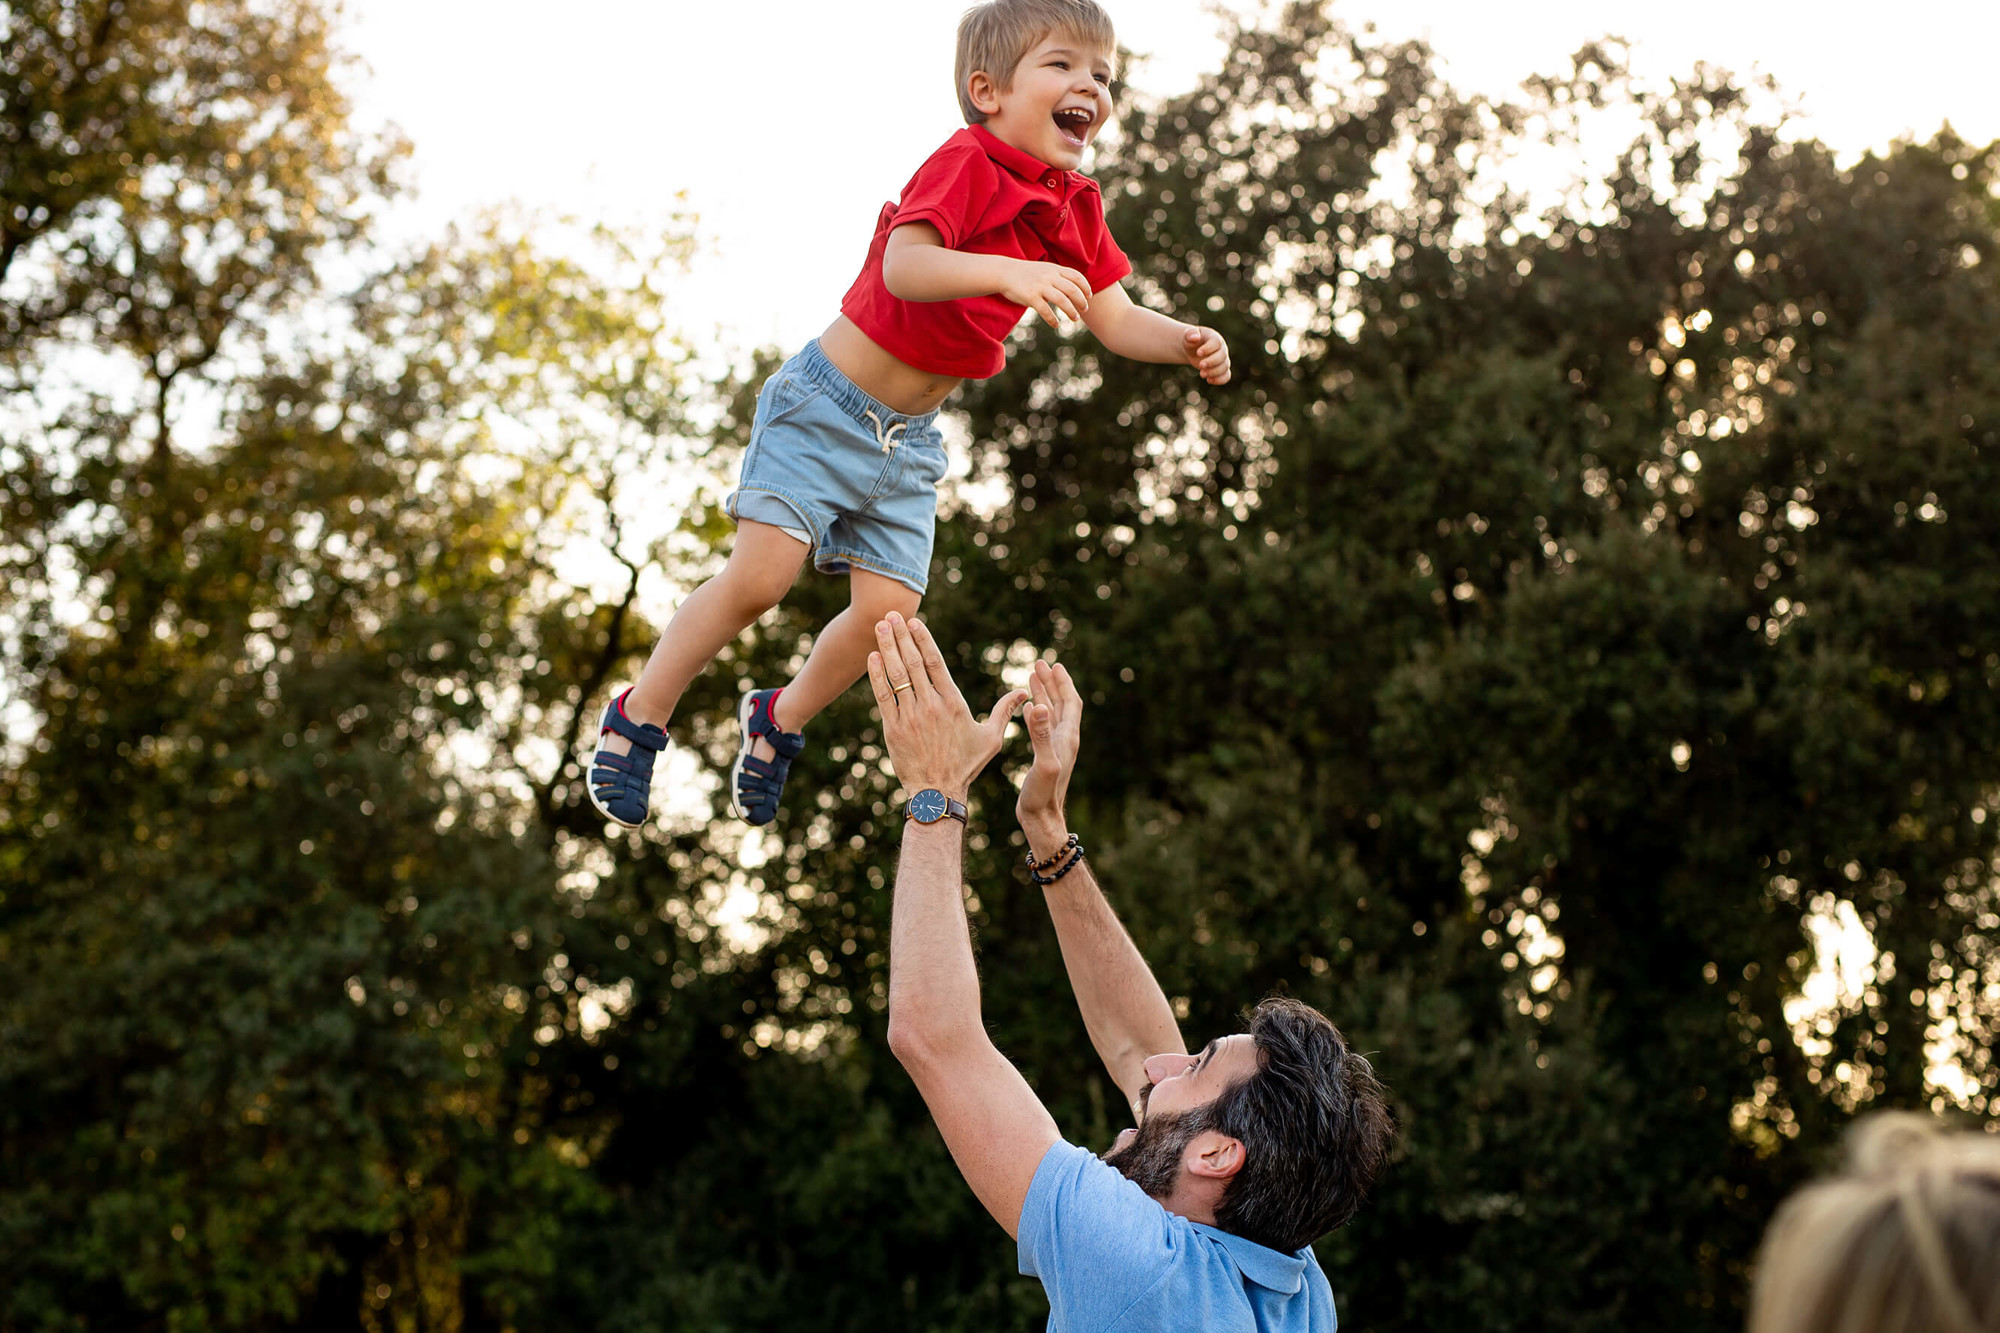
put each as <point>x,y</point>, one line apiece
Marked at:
<point>787,123</point>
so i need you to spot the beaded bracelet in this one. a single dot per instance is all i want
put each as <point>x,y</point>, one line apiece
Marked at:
<point>1069,865</point>
<point>1055,856</point>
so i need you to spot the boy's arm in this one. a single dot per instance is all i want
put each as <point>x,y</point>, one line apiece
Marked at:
<point>918,266</point>
<point>1140,334</point>
<point>1123,1007</point>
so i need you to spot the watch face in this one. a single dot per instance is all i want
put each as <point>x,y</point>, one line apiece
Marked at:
<point>927,806</point>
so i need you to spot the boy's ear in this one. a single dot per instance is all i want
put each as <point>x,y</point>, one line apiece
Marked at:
<point>984,91</point>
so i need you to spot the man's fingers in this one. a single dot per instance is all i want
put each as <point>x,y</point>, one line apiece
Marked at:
<point>894,660</point>
<point>913,662</point>
<point>933,659</point>
<point>1003,713</point>
<point>1056,692</point>
<point>1066,690</point>
<point>878,678</point>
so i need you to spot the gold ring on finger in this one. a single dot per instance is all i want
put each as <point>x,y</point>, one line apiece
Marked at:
<point>906,685</point>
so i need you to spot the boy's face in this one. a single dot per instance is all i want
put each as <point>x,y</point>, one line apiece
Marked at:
<point>1059,98</point>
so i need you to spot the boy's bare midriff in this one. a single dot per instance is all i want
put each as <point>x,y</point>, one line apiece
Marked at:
<point>892,382</point>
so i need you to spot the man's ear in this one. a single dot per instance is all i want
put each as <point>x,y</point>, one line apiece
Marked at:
<point>984,91</point>
<point>1214,1156</point>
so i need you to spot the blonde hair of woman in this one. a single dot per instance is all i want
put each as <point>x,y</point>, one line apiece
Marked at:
<point>1906,1239</point>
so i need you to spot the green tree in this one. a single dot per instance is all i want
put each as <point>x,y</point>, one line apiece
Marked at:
<point>168,170</point>
<point>1561,606</point>
<point>280,959</point>
<point>1569,603</point>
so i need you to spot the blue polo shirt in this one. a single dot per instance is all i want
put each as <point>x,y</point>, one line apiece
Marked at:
<point>1114,1261</point>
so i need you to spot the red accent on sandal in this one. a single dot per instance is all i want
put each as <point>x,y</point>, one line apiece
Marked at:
<point>771,706</point>
<point>619,704</point>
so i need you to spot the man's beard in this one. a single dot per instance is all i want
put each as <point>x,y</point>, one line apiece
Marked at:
<point>1152,1160</point>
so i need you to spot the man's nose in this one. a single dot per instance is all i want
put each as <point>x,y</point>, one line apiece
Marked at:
<point>1160,1068</point>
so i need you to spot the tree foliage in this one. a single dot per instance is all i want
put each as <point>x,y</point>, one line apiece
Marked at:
<point>1575,604</point>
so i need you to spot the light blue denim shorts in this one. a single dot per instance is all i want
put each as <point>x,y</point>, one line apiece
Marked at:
<point>854,480</point>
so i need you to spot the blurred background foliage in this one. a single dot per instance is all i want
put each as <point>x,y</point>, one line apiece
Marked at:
<point>1575,625</point>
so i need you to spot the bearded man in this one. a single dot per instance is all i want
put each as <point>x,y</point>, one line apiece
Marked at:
<point>1204,1214</point>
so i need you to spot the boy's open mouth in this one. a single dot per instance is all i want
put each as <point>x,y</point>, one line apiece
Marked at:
<point>1073,123</point>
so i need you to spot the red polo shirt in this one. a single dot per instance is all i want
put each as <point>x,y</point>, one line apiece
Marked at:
<point>984,197</point>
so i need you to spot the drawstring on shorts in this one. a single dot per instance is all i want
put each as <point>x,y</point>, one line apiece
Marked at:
<point>887,434</point>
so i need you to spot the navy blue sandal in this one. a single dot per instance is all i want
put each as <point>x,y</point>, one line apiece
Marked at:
<point>620,784</point>
<point>756,784</point>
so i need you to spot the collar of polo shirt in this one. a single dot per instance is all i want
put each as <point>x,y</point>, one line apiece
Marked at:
<point>1025,165</point>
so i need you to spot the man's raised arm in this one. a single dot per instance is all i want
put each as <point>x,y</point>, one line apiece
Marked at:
<point>996,1128</point>
<point>1124,1010</point>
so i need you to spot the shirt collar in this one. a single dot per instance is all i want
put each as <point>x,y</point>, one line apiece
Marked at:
<point>1282,1273</point>
<point>1025,165</point>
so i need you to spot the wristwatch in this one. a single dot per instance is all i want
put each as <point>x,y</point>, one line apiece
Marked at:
<point>930,805</point>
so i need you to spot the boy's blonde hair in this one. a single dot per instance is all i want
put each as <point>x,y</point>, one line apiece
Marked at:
<point>1906,1240</point>
<point>995,36</point>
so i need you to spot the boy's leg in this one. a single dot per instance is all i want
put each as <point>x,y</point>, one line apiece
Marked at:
<point>761,570</point>
<point>840,654</point>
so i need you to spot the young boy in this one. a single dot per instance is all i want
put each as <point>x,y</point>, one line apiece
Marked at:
<point>845,456</point>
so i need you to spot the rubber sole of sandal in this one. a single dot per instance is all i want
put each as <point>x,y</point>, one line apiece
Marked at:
<point>743,712</point>
<point>603,722</point>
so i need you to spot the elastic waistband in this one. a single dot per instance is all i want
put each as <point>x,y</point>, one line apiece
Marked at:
<point>812,363</point>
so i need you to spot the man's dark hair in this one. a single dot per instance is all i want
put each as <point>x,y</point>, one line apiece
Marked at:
<point>1315,1128</point>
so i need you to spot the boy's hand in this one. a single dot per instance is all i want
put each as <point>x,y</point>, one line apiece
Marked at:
<point>1050,290</point>
<point>1207,353</point>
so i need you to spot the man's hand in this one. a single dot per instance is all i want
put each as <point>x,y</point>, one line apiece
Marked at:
<point>1054,721</point>
<point>932,737</point>
<point>1050,290</point>
<point>1207,353</point>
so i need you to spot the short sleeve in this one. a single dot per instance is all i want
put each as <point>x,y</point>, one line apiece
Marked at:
<point>1095,1239</point>
<point>1108,263</point>
<point>951,191</point>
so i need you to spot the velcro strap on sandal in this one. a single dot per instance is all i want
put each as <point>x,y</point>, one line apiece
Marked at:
<point>650,737</point>
<point>621,763</point>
